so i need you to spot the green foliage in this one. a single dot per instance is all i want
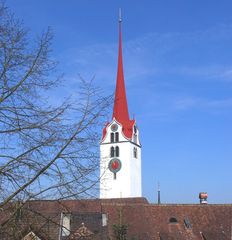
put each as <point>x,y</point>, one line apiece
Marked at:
<point>120,231</point>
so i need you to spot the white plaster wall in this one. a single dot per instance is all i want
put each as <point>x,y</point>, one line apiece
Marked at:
<point>136,181</point>
<point>119,187</point>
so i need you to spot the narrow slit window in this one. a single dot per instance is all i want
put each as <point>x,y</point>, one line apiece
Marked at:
<point>116,137</point>
<point>135,129</point>
<point>117,151</point>
<point>112,137</point>
<point>135,152</point>
<point>135,138</point>
<point>112,152</point>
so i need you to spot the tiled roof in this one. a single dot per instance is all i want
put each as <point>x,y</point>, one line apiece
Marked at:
<point>144,221</point>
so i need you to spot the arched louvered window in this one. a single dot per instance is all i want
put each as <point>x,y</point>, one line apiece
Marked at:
<point>117,151</point>
<point>112,152</point>
<point>112,137</point>
<point>116,137</point>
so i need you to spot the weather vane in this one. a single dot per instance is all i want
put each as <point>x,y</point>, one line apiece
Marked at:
<point>120,15</point>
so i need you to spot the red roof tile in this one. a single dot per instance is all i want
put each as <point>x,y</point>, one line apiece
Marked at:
<point>145,221</point>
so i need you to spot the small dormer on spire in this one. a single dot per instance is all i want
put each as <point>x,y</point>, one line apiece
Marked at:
<point>120,112</point>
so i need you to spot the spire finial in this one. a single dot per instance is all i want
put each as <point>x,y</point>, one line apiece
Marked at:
<point>120,15</point>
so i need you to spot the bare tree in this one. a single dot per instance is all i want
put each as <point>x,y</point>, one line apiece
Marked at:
<point>45,150</point>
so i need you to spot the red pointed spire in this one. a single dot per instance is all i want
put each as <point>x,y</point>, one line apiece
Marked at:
<point>120,112</point>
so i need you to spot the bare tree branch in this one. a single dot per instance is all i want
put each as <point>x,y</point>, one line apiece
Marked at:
<point>46,151</point>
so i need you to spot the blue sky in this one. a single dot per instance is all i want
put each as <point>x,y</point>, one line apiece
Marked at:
<point>178,73</point>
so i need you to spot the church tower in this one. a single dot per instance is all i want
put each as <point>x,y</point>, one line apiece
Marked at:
<point>120,148</point>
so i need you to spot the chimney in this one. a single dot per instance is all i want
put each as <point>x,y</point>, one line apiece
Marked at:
<point>203,197</point>
<point>159,201</point>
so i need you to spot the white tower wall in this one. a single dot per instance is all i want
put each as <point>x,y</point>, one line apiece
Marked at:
<point>128,179</point>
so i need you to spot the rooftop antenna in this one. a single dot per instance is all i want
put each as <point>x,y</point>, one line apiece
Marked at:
<point>159,201</point>
<point>120,15</point>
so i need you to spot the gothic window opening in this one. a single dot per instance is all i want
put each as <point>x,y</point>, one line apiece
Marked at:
<point>117,151</point>
<point>135,152</point>
<point>112,152</point>
<point>112,137</point>
<point>116,137</point>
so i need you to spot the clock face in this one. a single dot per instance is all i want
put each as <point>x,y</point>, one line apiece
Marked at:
<point>115,165</point>
<point>114,127</point>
